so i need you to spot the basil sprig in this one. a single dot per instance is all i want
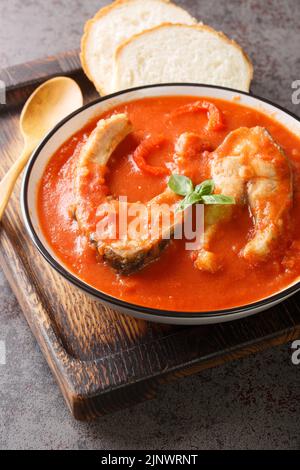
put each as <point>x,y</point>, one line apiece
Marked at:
<point>201,194</point>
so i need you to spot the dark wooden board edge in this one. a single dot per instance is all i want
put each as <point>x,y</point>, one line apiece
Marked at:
<point>34,72</point>
<point>40,325</point>
<point>124,397</point>
<point>89,406</point>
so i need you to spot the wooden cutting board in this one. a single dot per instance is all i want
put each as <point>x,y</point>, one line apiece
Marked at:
<point>104,361</point>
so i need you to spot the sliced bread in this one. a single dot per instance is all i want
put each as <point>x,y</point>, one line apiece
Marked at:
<point>116,23</point>
<point>181,53</point>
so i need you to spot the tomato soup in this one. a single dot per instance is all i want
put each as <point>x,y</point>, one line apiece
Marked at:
<point>171,282</point>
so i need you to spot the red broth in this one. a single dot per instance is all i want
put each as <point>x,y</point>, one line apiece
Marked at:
<point>171,282</point>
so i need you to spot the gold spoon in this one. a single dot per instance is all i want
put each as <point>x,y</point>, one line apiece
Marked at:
<point>48,105</point>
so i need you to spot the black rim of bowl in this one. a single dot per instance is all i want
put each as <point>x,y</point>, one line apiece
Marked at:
<point>141,310</point>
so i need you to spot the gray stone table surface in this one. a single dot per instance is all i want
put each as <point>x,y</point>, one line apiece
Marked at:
<point>253,403</point>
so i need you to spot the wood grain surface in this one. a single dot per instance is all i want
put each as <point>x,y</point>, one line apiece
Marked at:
<point>104,361</point>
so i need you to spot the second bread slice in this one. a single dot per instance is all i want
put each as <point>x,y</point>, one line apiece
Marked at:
<point>181,53</point>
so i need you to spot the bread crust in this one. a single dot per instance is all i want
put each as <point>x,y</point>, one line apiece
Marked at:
<point>200,27</point>
<point>87,28</point>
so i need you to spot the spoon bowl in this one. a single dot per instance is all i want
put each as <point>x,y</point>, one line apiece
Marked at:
<point>48,105</point>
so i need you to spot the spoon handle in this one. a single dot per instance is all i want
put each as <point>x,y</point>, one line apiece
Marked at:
<point>8,182</point>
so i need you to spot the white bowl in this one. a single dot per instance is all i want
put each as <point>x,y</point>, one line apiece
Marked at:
<point>77,121</point>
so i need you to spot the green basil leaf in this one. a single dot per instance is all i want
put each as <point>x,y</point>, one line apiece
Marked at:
<point>180,185</point>
<point>205,188</point>
<point>189,200</point>
<point>218,199</point>
<point>202,194</point>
